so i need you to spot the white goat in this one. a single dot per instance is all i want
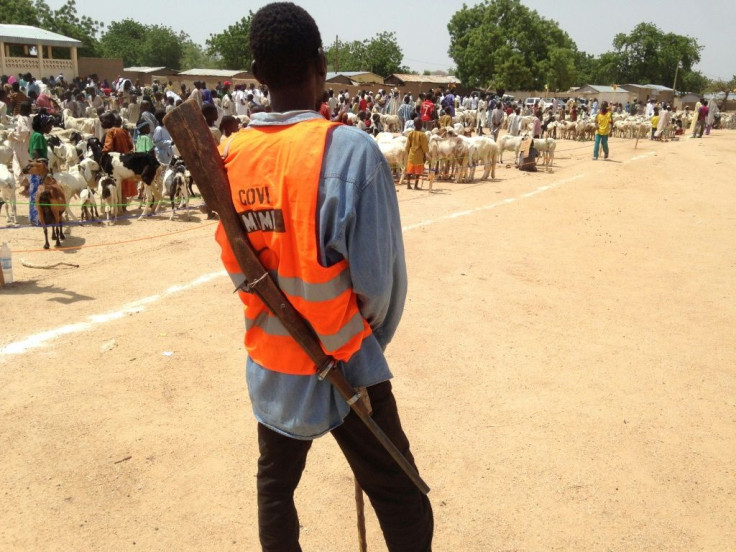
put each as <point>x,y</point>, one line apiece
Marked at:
<point>547,147</point>
<point>510,143</point>
<point>7,194</point>
<point>394,150</point>
<point>485,152</point>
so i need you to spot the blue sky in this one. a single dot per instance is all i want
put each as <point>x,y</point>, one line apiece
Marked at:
<point>421,25</point>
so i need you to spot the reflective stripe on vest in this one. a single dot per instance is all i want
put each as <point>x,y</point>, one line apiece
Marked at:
<point>274,174</point>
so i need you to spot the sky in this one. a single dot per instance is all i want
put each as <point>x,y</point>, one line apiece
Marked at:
<point>421,25</point>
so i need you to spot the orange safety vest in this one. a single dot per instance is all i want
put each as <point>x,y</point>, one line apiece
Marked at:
<point>274,176</point>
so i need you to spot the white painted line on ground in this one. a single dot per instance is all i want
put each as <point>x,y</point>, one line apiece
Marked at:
<point>642,156</point>
<point>41,339</point>
<point>493,205</point>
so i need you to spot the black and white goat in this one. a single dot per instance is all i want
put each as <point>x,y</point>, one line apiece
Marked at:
<point>139,165</point>
<point>108,198</point>
<point>179,191</point>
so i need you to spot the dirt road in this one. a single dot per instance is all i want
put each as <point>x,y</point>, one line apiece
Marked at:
<point>565,369</point>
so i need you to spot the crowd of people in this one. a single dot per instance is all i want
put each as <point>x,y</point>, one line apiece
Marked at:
<point>228,107</point>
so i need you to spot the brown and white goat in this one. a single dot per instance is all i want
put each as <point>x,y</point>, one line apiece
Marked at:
<point>50,202</point>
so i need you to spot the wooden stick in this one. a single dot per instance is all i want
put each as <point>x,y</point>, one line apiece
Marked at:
<point>360,511</point>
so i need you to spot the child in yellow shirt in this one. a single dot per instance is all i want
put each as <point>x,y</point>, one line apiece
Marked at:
<point>655,122</point>
<point>417,146</point>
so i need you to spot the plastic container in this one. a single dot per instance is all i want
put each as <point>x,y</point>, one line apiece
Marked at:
<point>6,260</point>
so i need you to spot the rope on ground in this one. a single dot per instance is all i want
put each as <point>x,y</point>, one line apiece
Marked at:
<point>54,265</point>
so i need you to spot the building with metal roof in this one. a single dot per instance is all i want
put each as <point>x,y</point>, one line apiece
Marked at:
<point>27,49</point>
<point>145,75</point>
<point>354,77</point>
<point>605,93</point>
<point>646,92</point>
<point>402,79</point>
<point>216,73</point>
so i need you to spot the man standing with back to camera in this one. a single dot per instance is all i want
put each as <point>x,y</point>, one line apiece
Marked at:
<point>334,243</point>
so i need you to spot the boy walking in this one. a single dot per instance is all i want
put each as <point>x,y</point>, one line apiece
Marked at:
<point>603,123</point>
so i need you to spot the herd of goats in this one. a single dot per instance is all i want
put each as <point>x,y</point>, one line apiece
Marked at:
<point>77,169</point>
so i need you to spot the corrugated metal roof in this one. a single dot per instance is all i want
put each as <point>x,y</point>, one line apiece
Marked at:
<point>26,34</point>
<point>435,79</point>
<point>349,73</point>
<point>145,69</point>
<point>658,87</point>
<point>211,72</point>
<point>603,88</point>
<point>356,76</point>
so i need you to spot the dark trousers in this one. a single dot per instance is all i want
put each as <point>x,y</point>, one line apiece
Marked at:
<point>404,513</point>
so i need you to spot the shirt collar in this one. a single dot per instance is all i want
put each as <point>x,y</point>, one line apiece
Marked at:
<point>285,118</point>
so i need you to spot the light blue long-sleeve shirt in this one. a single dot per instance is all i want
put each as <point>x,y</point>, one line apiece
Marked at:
<point>162,142</point>
<point>358,220</point>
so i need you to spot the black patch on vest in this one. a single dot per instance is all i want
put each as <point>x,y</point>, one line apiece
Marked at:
<point>267,220</point>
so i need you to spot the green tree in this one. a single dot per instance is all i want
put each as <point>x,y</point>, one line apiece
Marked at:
<point>380,54</point>
<point>607,70</point>
<point>67,22</point>
<point>346,56</point>
<point>504,44</point>
<point>163,47</point>
<point>194,55</point>
<point>143,45</point>
<point>125,39</point>
<point>692,81</point>
<point>383,55</point>
<point>231,47</point>
<point>648,55</point>
<point>18,12</point>
<point>722,85</point>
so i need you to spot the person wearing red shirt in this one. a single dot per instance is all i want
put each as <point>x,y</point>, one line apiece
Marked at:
<point>324,109</point>
<point>428,112</point>
<point>363,105</point>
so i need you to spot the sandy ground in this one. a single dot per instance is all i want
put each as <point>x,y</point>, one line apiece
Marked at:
<point>564,369</point>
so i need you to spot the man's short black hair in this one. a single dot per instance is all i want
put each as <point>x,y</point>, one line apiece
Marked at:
<point>284,41</point>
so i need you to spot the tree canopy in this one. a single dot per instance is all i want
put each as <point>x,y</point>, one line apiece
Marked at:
<point>139,44</point>
<point>64,21</point>
<point>649,55</point>
<point>381,55</point>
<point>494,44</point>
<point>231,47</point>
<point>504,44</point>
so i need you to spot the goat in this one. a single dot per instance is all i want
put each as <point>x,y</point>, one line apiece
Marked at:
<point>90,125</point>
<point>65,153</point>
<point>448,152</point>
<point>6,154</point>
<point>50,202</point>
<point>547,147</point>
<point>394,150</point>
<point>485,152</point>
<point>138,165</point>
<point>179,192</point>
<point>108,197</point>
<point>7,195</point>
<point>78,178</point>
<point>510,143</point>
<point>89,205</point>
